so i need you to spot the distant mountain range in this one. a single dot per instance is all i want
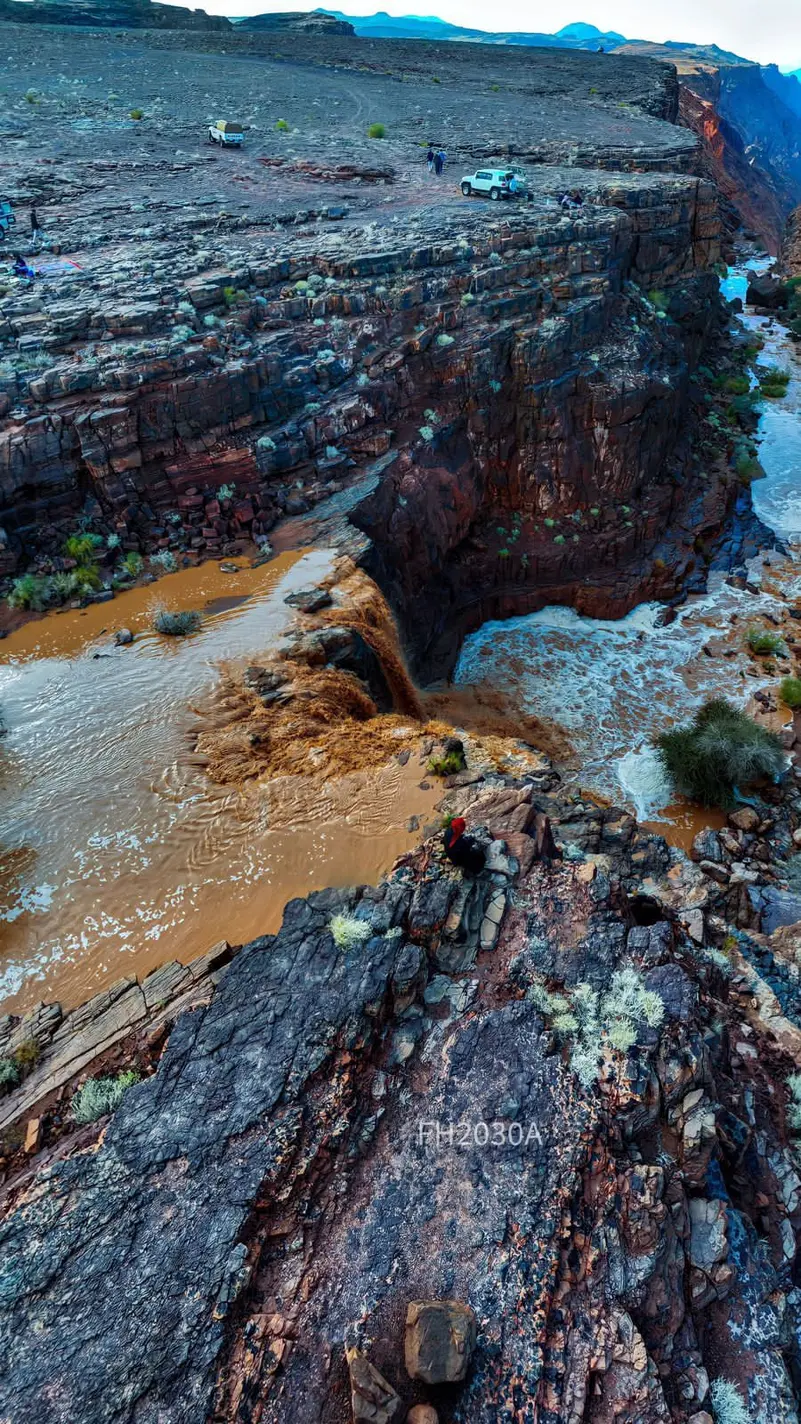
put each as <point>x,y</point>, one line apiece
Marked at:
<point>428,27</point>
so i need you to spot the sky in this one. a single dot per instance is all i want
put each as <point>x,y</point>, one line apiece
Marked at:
<point>768,31</point>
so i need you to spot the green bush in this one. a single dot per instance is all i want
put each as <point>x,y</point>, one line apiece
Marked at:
<point>136,114</point>
<point>659,299</point>
<point>133,564</point>
<point>28,1054</point>
<point>282,126</point>
<point>65,586</point>
<point>87,579</point>
<point>176,625</point>
<point>721,749</point>
<point>735,385</point>
<point>82,547</point>
<point>348,932</point>
<point>30,592</point>
<point>9,1074</point>
<point>765,644</point>
<point>99,1096</point>
<point>790,692</point>
<point>449,765</point>
<point>773,383</point>
<point>376,131</point>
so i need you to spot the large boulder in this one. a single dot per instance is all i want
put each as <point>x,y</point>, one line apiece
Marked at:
<point>765,290</point>
<point>440,1338</point>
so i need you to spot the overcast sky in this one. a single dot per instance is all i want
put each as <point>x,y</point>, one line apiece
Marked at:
<point>765,30</point>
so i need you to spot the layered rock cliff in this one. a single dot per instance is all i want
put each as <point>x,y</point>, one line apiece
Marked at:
<point>525,379</point>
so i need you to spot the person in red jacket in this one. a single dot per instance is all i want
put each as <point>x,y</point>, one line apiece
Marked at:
<point>463,850</point>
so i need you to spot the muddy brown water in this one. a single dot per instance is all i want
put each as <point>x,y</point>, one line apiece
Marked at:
<point>116,851</point>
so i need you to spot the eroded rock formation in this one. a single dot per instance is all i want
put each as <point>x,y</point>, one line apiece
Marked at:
<point>367,1117</point>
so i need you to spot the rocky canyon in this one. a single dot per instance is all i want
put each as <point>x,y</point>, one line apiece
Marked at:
<point>511,1138</point>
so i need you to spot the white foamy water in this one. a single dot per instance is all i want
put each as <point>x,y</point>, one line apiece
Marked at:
<point>614,686</point>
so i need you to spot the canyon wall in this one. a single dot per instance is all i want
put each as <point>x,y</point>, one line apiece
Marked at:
<point>531,366</point>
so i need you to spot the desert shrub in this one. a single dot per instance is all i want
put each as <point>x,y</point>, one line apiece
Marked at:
<point>65,586</point>
<point>790,692</point>
<point>764,643</point>
<point>113,541</point>
<point>27,1055</point>
<point>136,114</point>
<point>728,1405</point>
<point>9,1074</point>
<point>176,625</point>
<point>347,932</point>
<point>610,1020</point>
<point>166,560</point>
<point>99,1096</point>
<point>87,579</point>
<point>133,564</point>
<point>30,592</point>
<point>735,385</point>
<point>82,547</point>
<point>659,299</point>
<point>446,765</point>
<point>226,492</point>
<point>722,748</point>
<point>31,96</point>
<point>773,383</point>
<point>282,126</point>
<point>376,131</point>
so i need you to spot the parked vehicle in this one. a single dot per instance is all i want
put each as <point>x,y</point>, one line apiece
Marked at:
<point>489,182</point>
<point>226,133</point>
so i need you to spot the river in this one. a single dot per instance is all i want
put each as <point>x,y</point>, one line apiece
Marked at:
<point>614,686</point>
<point>116,850</point>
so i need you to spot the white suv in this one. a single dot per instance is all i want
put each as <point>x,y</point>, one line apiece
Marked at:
<point>494,181</point>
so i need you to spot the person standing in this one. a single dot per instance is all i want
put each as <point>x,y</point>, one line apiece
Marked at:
<point>439,162</point>
<point>36,231</point>
<point>430,159</point>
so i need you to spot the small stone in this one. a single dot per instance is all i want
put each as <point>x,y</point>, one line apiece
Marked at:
<point>715,872</point>
<point>32,1134</point>
<point>797,837</point>
<point>746,819</point>
<point>422,1414</point>
<point>373,1400</point>
<point>123,637</point>
<point>693,921</point>
<point>439,1340</point>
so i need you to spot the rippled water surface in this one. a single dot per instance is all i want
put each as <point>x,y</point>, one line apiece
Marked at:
<point>116,852</point>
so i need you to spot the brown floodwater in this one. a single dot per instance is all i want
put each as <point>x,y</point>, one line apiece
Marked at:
<point>116,850</point>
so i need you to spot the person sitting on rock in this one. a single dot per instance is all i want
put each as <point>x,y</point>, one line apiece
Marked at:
<point>463,850</point>
<point>21,268</point>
